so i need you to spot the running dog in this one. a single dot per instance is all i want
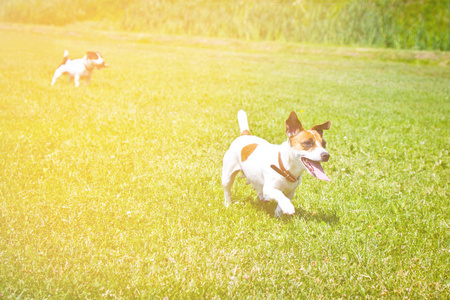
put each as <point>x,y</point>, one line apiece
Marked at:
<point>81,68</point>
<point>275,170</point>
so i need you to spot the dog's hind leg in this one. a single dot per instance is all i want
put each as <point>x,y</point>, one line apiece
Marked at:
<point>57,74</point>
<point>230,169</point>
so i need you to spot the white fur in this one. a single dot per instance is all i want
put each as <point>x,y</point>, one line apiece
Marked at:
<point>269,184</point>
<point>77,69</point>
<point>242,120</point>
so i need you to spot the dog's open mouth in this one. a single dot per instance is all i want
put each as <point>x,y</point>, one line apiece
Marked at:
<point>315,168</point>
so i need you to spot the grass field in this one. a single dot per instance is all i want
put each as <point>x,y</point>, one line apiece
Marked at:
<point>113,190</point>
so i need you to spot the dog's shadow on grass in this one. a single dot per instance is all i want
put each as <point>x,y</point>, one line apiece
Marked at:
<point>300,213</point>
<point>317,216</point>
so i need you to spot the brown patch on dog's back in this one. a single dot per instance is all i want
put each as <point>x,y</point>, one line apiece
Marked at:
<point>247,151</point>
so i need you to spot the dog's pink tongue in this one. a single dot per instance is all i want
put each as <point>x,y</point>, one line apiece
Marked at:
<point>318,171</point>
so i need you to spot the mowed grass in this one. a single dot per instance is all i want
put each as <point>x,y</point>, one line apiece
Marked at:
<point>113,190</point>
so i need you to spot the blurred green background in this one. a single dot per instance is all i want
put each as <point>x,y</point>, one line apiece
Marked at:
<point>402,24</point>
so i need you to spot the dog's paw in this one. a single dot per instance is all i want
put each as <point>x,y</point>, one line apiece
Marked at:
<point>286,208</point>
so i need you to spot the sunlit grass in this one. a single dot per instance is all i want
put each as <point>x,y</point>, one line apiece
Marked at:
<point>113,190</point>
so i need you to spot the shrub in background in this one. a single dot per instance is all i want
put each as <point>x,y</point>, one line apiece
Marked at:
<point>407,24</point>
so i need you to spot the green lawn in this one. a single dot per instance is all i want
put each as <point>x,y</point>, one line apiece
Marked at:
<point>113,190</point>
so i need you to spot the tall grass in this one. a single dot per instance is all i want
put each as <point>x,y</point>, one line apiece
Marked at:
<point>59,12</point>
<point>405,24</point>
<point>394,24</point>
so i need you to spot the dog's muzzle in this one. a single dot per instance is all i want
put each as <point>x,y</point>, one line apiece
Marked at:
<point>325,156</point>
<point>102,65</point>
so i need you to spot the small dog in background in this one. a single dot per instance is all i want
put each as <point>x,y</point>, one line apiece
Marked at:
<point>275,170</point>
<point>81,68</point>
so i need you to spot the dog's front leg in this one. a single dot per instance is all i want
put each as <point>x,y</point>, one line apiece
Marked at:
<point>284,203</point>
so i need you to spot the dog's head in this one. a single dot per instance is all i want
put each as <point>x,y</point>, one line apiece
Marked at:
<point>308,145</point>
<point>96,59</point>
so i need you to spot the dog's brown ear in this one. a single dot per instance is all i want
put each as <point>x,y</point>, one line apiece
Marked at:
<point>321,127</point>
<point>293,125</point>
<point>92,55</point>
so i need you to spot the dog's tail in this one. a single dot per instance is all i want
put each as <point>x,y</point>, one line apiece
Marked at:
<point>243,123</point>
<point>65,57</point>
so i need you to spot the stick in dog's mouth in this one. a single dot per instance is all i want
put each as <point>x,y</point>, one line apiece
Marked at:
<point>315,168</point>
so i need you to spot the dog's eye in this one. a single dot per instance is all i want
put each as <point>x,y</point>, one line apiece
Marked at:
<point>307,144</point>
<point>324,144</point>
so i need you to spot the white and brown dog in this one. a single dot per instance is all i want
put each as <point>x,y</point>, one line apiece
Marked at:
<point>275,170</point>
<point>81,68</point>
